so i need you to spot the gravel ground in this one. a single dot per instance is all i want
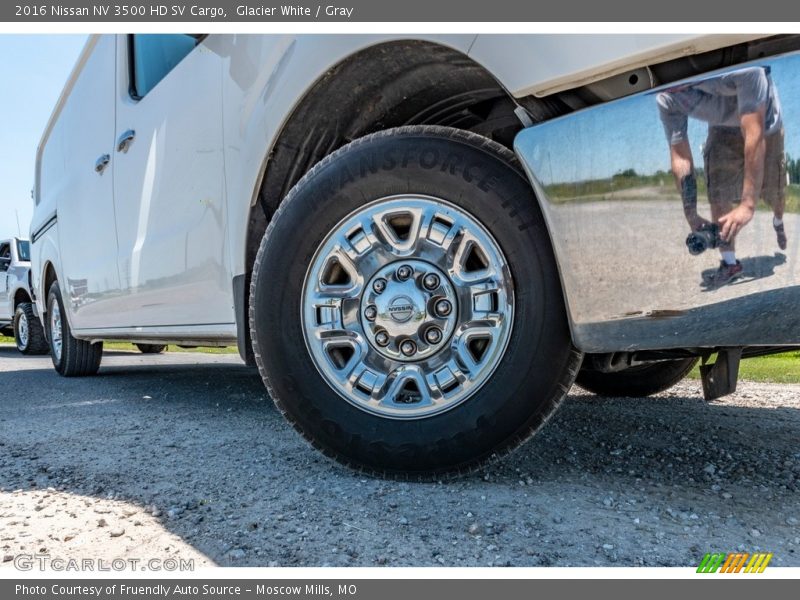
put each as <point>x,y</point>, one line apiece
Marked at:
<point>183,455</point>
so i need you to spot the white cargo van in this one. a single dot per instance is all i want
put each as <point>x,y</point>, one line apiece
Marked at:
<point>422,241</point>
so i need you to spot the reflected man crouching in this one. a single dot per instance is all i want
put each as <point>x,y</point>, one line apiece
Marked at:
<point>743,157</point>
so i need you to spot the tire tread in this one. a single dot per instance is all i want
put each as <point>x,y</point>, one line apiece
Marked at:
<point>546,406</point>
<point>37,342</point>
<point>79,358</point>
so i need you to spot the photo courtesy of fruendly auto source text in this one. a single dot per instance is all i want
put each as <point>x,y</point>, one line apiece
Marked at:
<point>375,300</point>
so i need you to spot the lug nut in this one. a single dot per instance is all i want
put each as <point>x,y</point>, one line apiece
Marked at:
<point>443,308</point>
<point>382,338</point>
<point>379,285</point>
<point>433,335</point>
<point>370,313</point>
<point>408,348</point>
<point>431,281</point>
<point>404,272</point>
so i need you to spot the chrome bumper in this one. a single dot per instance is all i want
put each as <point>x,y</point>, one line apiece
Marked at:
<point>604,181</point>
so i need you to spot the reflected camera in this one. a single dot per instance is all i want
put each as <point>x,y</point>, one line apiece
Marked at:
<point>704,238</point>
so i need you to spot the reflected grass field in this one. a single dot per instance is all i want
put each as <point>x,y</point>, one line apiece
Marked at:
<point>645,187</point>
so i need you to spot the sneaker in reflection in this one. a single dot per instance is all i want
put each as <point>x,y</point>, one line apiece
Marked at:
<point>725,274</point>
<point>780,232</point>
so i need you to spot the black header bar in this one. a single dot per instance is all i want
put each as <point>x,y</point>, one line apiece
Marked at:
<point>439,11</point>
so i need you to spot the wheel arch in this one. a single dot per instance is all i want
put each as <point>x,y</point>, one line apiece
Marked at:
<point>21,295</point>
<point>411,82</point>
<point>386,85</point>
<point>49,276</point>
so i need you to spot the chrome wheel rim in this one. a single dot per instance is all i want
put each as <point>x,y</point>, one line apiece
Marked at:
<point>22,329</point>
<point>55,330</point>
<point>407,307</point>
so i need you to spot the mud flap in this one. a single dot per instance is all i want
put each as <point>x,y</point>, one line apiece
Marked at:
<point>720,378</point>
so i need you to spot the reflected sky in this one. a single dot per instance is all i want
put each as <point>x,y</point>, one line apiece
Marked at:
<point>629,134</point>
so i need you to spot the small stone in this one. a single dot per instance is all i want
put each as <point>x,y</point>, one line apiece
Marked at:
<point>117,532</point>
<point>755,532</point>
<point>727,495</point>
<point>102,523</point>
<point>474,529</point>
<point>558,519</point>
<point>791,521</point>
<point>710,469</point>
<point>237,554</point>
<point>8,558</point>
<point>608,546</point>
<point>403,521</point>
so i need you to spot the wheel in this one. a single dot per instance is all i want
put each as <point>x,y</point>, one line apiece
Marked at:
<point>151,348</point>
<point>28,331</point>
<point>71,357</point>
<point>405,308</point>
<point>638,381</point>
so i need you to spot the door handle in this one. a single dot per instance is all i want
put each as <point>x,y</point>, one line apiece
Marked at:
<point>102,163</point>
<point>124,141</point>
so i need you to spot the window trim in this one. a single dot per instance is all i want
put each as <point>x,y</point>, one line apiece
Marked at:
<point>198,37</point>
<point>20,255</point>
<point>5,261</point>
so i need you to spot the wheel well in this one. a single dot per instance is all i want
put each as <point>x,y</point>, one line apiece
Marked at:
<point>48,278</point>
<point>20,296</point>
<point>406,82</point>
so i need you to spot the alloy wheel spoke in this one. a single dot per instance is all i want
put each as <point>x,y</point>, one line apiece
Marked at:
<point>408,307</point>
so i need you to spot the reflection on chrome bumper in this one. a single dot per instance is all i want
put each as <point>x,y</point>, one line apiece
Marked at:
<point>623,185</point>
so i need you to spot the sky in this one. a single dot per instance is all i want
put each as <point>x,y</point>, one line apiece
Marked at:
<point>33,69</point>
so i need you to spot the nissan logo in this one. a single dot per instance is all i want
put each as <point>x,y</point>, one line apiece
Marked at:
<point>401,309</point>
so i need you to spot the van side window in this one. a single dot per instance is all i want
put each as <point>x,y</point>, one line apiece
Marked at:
<point>153,56</point>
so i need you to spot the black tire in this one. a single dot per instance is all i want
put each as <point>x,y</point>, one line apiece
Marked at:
<point>78,358</point>
<point>638,381</point>
<point>36,342</point>
<point>530,380</point>
<point>151,348</point>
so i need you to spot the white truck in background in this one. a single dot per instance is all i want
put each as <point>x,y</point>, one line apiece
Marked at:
<point>421,241</point>
<point>18,317</point>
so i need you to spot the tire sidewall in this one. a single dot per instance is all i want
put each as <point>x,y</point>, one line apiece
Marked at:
<point>498,195</point>
<point>18,314</point>
<point>53,296</point>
